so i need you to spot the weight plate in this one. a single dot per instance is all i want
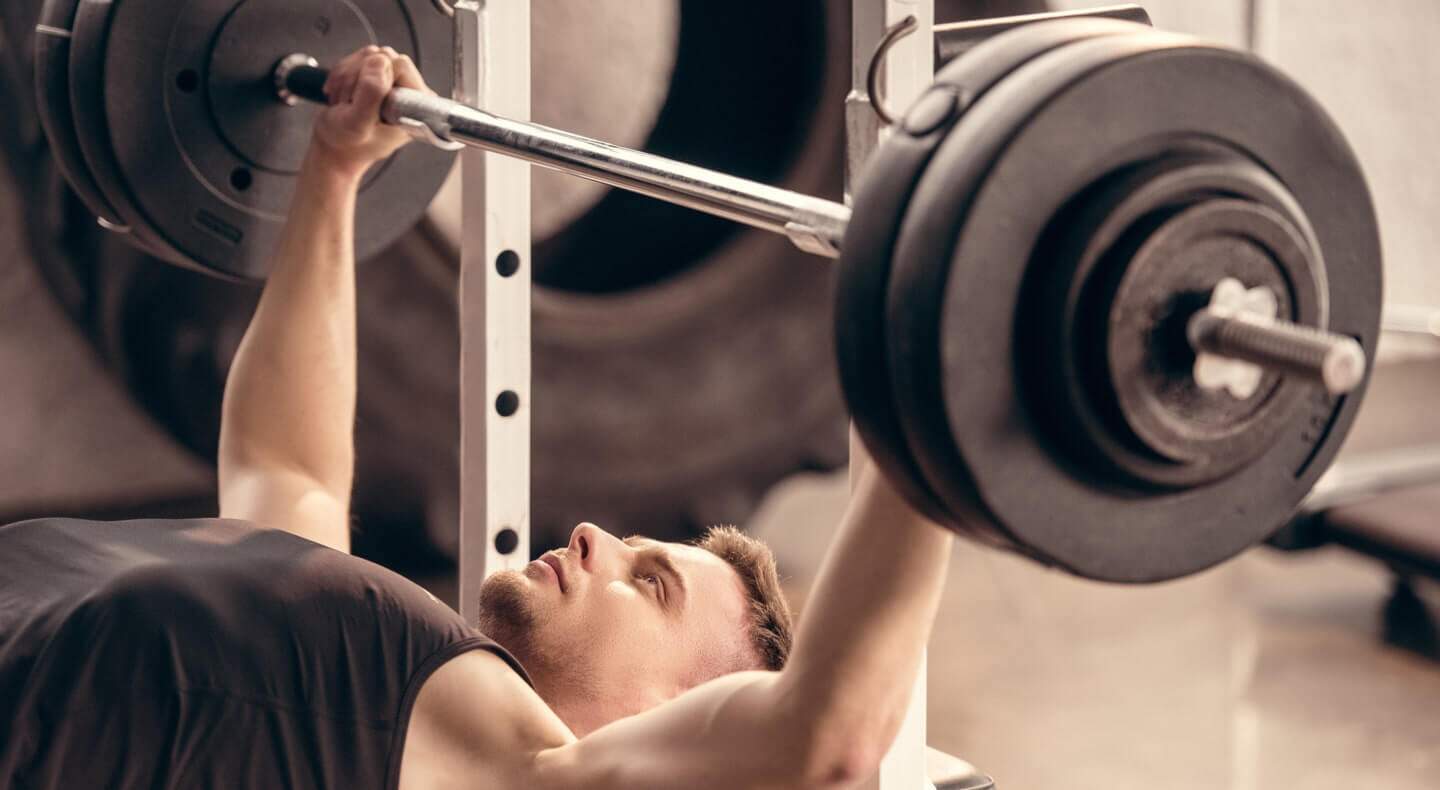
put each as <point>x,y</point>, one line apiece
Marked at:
<point>1138,96</point>
<point>52,104</point>
<point>87,103</point>
<point>1107,355</point>
<point>881,199</point>
<point>211,156</point>
<point>1187,435</point>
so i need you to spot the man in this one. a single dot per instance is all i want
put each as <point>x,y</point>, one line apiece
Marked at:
<point>234,653</point>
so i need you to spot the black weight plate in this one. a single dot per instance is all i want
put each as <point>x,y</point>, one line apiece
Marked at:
<point>865,260</point>
<point>211,157</point>
<point>52,104</point>
<point>87,101</point>
<point>913,311</point>
<point>1105,350</point>
<point>1136,96</point>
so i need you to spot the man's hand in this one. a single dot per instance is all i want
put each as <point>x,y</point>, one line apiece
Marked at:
<point>349,135</point>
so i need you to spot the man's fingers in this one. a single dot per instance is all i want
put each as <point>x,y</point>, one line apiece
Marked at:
<point>332,80</point>
<point>345,76</point>
<point>338,84</point>
<point>374,84</point>
<point>344,79</point>
<point>353,75</point>
<point>407,75</point>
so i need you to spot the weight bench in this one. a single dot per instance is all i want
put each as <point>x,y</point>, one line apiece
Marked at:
<point>952,773</point>
<point>1398,528</point>
<point>1382,500</point>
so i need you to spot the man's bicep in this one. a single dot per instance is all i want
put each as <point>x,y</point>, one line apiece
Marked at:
<point>280,498</point>
<point>723,734</point>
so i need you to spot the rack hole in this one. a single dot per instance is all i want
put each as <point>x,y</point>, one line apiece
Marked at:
<point>507,540</point>
<point>507,263</point>
<point>507,403</point>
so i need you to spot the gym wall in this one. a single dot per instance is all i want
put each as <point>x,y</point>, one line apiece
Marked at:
<point>1373,66</point>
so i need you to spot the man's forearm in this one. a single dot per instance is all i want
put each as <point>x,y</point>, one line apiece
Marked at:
<point>868,620</point>
<point>290,396</point>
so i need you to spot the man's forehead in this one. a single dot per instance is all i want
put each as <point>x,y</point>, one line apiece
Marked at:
<point>681,553</point>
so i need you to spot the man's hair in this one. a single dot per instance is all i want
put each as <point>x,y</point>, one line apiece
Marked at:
<point>770,619</point>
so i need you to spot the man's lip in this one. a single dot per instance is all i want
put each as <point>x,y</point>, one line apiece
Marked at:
<point>559,568</point>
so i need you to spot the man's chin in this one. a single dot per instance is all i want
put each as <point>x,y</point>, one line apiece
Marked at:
<point>507,608</point>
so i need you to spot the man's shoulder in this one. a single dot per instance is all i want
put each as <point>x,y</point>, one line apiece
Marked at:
<point>479,685</point>
<point>477,711</point>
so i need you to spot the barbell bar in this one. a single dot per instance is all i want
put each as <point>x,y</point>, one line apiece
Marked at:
<point>813,224</point>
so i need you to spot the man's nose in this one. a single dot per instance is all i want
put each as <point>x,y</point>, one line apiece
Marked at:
<point>592,546</point>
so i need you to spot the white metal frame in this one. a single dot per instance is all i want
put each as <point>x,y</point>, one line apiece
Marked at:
<point>908,70</point>
<point>492,51</point>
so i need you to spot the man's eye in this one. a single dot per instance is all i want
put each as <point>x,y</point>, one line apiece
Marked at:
<point>651,579</point>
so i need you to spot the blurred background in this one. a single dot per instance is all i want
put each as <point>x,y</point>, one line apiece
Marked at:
<point>683,376</point>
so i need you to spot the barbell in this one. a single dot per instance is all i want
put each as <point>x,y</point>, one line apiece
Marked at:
<point>1105,294</point>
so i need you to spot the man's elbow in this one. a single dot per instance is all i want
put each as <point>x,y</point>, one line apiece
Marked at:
<point>840,763</point>
<point>843,756</point>
<point>836,743</point>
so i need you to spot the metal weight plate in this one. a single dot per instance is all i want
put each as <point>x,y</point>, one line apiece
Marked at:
<point>208,153</point>
<point>52,95</point>
<point>1129,260</point>
<point>913,309</point>
<point>87,108</point>
<point>880,203</point>
<point>1137,96</point>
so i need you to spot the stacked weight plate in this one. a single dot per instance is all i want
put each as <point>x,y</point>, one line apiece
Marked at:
<point>1026,248</point>
<point>163,118</point>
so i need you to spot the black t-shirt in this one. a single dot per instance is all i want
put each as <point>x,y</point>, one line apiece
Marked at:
<point>207,654</point>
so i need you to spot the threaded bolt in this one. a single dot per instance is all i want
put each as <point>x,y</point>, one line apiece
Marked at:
<point>1335,361</point>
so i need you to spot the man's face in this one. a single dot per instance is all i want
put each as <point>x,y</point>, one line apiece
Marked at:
<point>618,626</point>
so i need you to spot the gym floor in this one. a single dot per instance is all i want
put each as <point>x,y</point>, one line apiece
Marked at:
<point>1266,672</point>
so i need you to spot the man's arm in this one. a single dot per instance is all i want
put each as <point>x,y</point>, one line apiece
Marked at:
<point>286,455</point>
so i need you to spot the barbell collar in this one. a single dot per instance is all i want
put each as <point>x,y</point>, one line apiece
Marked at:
<point>813,224</point>
<point>292,85</point>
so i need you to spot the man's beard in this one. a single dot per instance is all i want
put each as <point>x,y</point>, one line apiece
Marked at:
<point>505,614</point>
<point>508,616</point>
